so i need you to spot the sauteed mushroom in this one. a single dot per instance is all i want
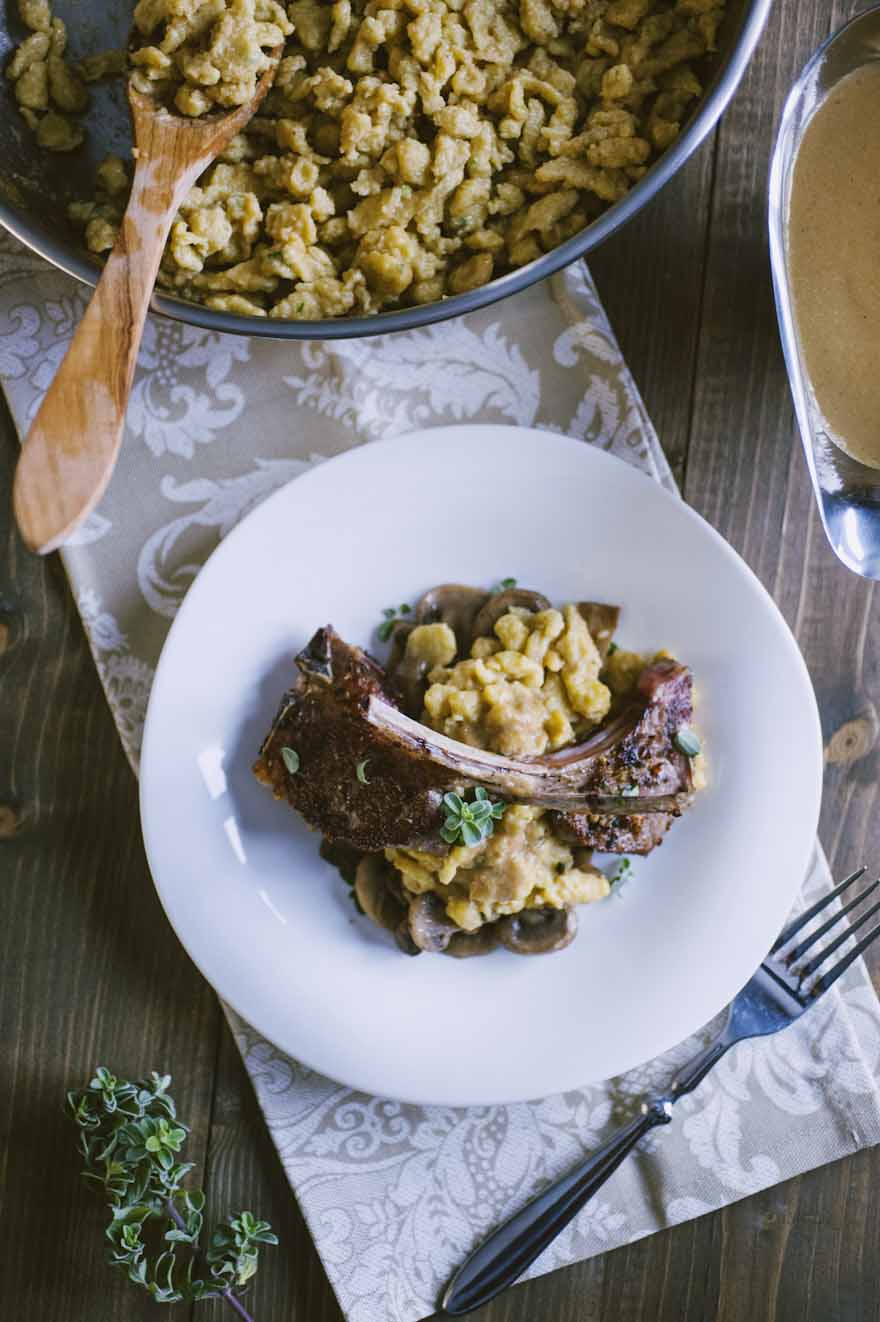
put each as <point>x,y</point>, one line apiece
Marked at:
<point>375,895</point>
<point>464,945</point>
<point>426,646</point>
<point>538,931</point>
<point>428,924</point>
<point>400,631</point>
<point>404,940</point>
<point>452,604</point>
<point>499,604</point>
<point>408,679</point>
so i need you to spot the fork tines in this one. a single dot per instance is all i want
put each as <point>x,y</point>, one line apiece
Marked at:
<point>791,958</point>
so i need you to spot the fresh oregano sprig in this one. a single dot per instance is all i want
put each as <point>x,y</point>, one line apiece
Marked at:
<point>129,1139</point>
<point>469,823</point>
<point>687,742</point>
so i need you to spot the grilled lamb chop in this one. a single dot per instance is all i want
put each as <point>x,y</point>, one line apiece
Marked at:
<point>637,833</point>
<point>339,714</point>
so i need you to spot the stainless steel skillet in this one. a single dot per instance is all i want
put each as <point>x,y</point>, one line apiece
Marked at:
<point>35,186</point>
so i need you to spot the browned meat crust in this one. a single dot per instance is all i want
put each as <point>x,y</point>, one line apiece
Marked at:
<point>324,718</point>
<point>637,834</point>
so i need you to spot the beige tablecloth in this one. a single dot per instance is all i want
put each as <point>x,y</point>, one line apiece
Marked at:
<point>396,1195</point>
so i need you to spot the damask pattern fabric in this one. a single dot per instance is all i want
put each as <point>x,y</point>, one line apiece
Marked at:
<point>396,1195</point>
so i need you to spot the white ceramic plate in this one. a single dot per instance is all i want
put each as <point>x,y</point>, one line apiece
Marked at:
<point>273,927</point>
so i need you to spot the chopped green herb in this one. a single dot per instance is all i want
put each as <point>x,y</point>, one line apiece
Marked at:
<point>390,614</point>
<point>612,648</point>
<point>299,307</point>
<point>623,872</point>
<point>274,252</point>
<point>504,586</point>
<point>687,742</point>
<point>290,758</point>
<point>470,823</point>
<point>361,771</point>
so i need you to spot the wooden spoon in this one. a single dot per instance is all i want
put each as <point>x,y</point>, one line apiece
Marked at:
<point>70,451</point>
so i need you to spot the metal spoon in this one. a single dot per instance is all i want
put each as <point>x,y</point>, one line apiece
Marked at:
<point>70,451</point>
<point>847,492</point>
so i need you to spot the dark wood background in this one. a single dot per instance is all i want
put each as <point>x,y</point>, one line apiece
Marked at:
<point>90,967</point>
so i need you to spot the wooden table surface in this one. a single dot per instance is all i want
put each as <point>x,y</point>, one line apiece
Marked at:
<point>91,968</point>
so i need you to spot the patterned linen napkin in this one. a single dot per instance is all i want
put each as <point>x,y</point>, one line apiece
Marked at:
<point>396,1195</point>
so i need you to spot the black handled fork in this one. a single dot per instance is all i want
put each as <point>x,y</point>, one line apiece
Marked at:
<point>785,986</point>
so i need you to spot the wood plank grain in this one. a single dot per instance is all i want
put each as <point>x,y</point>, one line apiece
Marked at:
<point>745,470</point>
<point>650,278</point>
<point>244,1170</point>
<point>803,1249</point>
<point>91,971</point>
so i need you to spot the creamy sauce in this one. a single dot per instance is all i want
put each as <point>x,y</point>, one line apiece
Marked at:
<point>834,260</point>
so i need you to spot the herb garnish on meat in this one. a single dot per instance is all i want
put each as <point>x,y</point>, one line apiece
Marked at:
<point>470,823</point>
<point>623,872</point>
<point>687,742</point>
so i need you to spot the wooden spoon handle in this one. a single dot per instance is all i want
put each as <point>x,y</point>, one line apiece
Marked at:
<point>71,448</point>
